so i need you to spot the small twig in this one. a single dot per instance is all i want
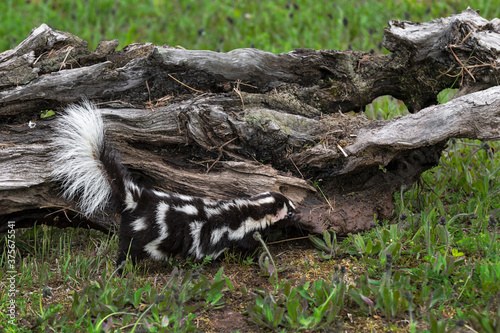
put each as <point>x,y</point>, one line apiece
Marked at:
<point>212,165</point>
<point>326,199</point>
<point>163,100</point>
<point>463,66</point>
<point>63,63</point>
<point>245,84</point>
<point>301,175</point>
<point>492,65</point>
<point>325,144</point>
<point>237,91</point>
<point>342,150</point>
<point>62,209</point>
<point>447,71</point>
<point>465,38</point>
<point>220,153</point>
<point>75,61</point>
<point>474,24</point>
<point>365,58</point>
<point>185,85</point>
<point>287,240</point>
<point>41,55</point>
<point>471,329</point>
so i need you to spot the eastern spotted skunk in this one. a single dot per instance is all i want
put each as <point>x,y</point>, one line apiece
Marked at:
<point>154,224</point>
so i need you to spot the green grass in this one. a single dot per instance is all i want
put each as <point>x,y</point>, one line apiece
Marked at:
<point>276,26</point>
<point>434,267</point>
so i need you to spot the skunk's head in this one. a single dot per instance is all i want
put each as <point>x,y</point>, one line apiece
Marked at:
<point>285,212</point>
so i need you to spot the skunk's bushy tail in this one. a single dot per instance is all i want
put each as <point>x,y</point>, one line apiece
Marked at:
<point>87,168</point>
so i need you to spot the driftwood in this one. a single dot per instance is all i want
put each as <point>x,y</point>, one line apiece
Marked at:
<point>232,124</point>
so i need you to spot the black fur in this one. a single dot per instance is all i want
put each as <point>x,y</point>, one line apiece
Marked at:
<point>182,228</point>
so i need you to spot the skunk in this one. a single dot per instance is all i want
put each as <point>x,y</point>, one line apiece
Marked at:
<point>154,224</point>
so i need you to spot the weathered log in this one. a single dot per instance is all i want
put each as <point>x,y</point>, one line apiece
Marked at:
<point>258,121</point>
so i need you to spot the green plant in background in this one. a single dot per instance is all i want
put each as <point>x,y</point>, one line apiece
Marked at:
<point>276,26</point>
<point>171,308</point>
<point>307,306</point>
<point>390,291</point>
<point>436,326</point>
<point>47,114</point>
<point>487,320</point>
<point>198,265</point>
<point>47,317</point>
<point>391,295</point>
<point>322,307</point>
<point>489,278</point>
<point>266,261</point>
<point>328,245</point>
<point>493,248</point>
<point>267,311</point>
<point>377,244</point>
<point>385,107</point>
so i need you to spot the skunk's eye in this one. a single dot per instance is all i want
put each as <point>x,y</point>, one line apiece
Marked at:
<point>290,213</point>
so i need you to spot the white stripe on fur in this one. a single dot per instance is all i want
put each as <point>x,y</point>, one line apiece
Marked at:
<point>215,255</point>
<point>213,211</point>
<point>130,187</point>
<point>266,200</point>
<point>221,207</point>
<point>187,209</point>
<point>161,194</point>
<point>139,224</point>
<point>247,226</point>
<point>152,247</point>
<point>183,197</point>
<point>195,230</point>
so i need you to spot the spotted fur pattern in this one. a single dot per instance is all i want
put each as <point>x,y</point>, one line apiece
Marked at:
<point>154,224</point>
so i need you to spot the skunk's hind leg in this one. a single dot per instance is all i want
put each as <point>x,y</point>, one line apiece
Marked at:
<point>129,248</point>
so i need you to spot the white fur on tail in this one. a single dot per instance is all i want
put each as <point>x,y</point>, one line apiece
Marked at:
<point>78,143</point>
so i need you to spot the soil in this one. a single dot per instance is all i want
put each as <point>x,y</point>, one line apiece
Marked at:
<point>300,262</point>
